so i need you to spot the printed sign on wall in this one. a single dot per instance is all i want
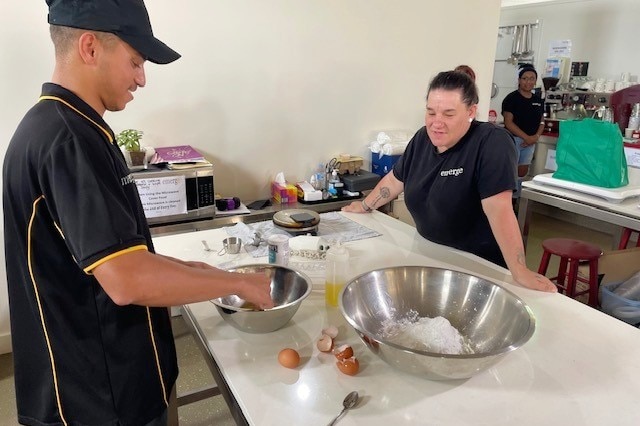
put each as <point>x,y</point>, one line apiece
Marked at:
<point>163,196</point>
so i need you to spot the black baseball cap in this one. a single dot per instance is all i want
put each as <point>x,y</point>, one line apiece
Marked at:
<point>527,68</point>
<point>128,19</point>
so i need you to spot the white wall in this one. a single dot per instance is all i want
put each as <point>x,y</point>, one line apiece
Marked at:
<point>603,32</point>
<point>270,85</point>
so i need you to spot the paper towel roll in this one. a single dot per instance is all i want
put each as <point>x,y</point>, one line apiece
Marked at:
<point>383,138</point>
<point>396,148</point>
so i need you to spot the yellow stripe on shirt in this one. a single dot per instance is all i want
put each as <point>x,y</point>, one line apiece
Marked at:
<point>91,267</point>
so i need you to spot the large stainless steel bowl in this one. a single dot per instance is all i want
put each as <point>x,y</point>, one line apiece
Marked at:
<point>493,320</point>
<point>288,289</point>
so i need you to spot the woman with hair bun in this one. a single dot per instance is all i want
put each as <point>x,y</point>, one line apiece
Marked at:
<point>458,175</point>
<point>467,70</point>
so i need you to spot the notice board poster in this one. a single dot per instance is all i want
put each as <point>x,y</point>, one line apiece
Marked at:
<point>163,196</point>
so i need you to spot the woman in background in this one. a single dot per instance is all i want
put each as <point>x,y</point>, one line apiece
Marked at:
<point>522,111</point>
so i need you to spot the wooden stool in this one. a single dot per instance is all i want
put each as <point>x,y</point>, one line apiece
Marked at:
<point>626,235</point>
<point>572,252</point>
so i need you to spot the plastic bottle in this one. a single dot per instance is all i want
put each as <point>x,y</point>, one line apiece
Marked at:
<point>634,119</point>
<point>337,268</point>
<point>320,178</point>
<point>332,181</point>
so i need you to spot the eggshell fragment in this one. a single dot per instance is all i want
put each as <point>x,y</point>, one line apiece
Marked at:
<point>331,331</point>
<point>289,358</point>
<point>349,366</point>
<point>325,343</point>
<point>342,352</point>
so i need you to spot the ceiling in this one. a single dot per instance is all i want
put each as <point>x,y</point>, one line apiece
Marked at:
<point>507,3</point>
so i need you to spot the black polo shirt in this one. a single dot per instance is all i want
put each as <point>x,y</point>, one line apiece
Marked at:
<point>70,204</point>
<point>527,112</point>
<point>443,191</point>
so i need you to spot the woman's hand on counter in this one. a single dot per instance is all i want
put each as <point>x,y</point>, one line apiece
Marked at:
<point>535,281</point>
<point>355,207</point>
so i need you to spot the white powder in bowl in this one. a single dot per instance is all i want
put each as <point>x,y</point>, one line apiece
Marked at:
<point>426,334</point>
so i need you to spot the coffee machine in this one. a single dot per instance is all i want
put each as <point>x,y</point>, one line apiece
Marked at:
<point>572,104</point>
<point>566,99</point>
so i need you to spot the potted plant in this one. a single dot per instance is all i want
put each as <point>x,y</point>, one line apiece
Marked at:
<point>130,140</point>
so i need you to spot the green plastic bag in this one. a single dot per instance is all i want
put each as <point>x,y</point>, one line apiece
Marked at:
<point>592,152</point>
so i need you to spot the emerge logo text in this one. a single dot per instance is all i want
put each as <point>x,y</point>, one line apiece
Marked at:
<point>452,172</point>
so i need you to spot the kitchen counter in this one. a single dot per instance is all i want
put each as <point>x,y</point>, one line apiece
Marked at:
<point>623,214</point>
<point>579,368</point>
<point>221,220</point>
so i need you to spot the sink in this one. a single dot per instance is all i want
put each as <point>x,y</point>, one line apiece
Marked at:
<point>564,115</point>
<point>571,114</point>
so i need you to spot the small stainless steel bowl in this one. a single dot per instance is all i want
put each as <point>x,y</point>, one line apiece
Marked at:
<point>288,289</point>
<point>492,319</point>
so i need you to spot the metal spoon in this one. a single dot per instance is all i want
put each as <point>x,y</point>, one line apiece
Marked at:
<point>349,402</point>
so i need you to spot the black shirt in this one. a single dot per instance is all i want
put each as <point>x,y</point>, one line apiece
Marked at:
<point>443,191</point>
<point>70,204</point>
<point>527,112</point>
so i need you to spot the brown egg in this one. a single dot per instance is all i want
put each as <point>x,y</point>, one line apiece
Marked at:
<point>289,358</point>
<point>349,366</point>
<point>343,351</point>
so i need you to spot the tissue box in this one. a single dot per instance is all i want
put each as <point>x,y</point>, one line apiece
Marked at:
<point>381,165</point>
<point>283,193</point>
<point>306,192</point>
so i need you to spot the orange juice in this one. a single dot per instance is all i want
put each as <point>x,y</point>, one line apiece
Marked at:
<point>331,293</point>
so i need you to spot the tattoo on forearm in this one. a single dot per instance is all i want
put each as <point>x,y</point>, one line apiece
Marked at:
<point>384,193</point>
<point>522,259</point>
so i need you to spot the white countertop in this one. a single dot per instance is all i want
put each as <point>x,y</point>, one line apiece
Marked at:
<point>628,207</point>
<point>581,367</point>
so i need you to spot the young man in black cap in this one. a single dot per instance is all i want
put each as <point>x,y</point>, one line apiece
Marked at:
<point>92,339</point>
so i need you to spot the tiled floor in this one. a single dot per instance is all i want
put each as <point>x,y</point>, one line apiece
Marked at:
<point>194,373</point>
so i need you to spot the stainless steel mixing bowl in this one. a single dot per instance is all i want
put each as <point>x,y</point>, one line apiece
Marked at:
<point>288,289</point>
<point>493,320</point>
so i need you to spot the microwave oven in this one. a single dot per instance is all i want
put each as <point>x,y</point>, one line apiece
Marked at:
<point>176,196</point>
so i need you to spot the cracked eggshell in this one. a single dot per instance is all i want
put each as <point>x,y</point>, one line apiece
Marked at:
<point>331,331</point>
<point>325,343</point>
<point>342,352</point>
<point>349,366</point>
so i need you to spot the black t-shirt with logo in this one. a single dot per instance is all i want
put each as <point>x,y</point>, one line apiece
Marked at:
<point>443,192</point>
<point>527,112</point>
<point>70,204</point>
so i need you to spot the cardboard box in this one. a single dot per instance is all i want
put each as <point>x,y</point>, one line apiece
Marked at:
<point>613,269</point>
<point>616,266</point>
<point>284,193</point>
